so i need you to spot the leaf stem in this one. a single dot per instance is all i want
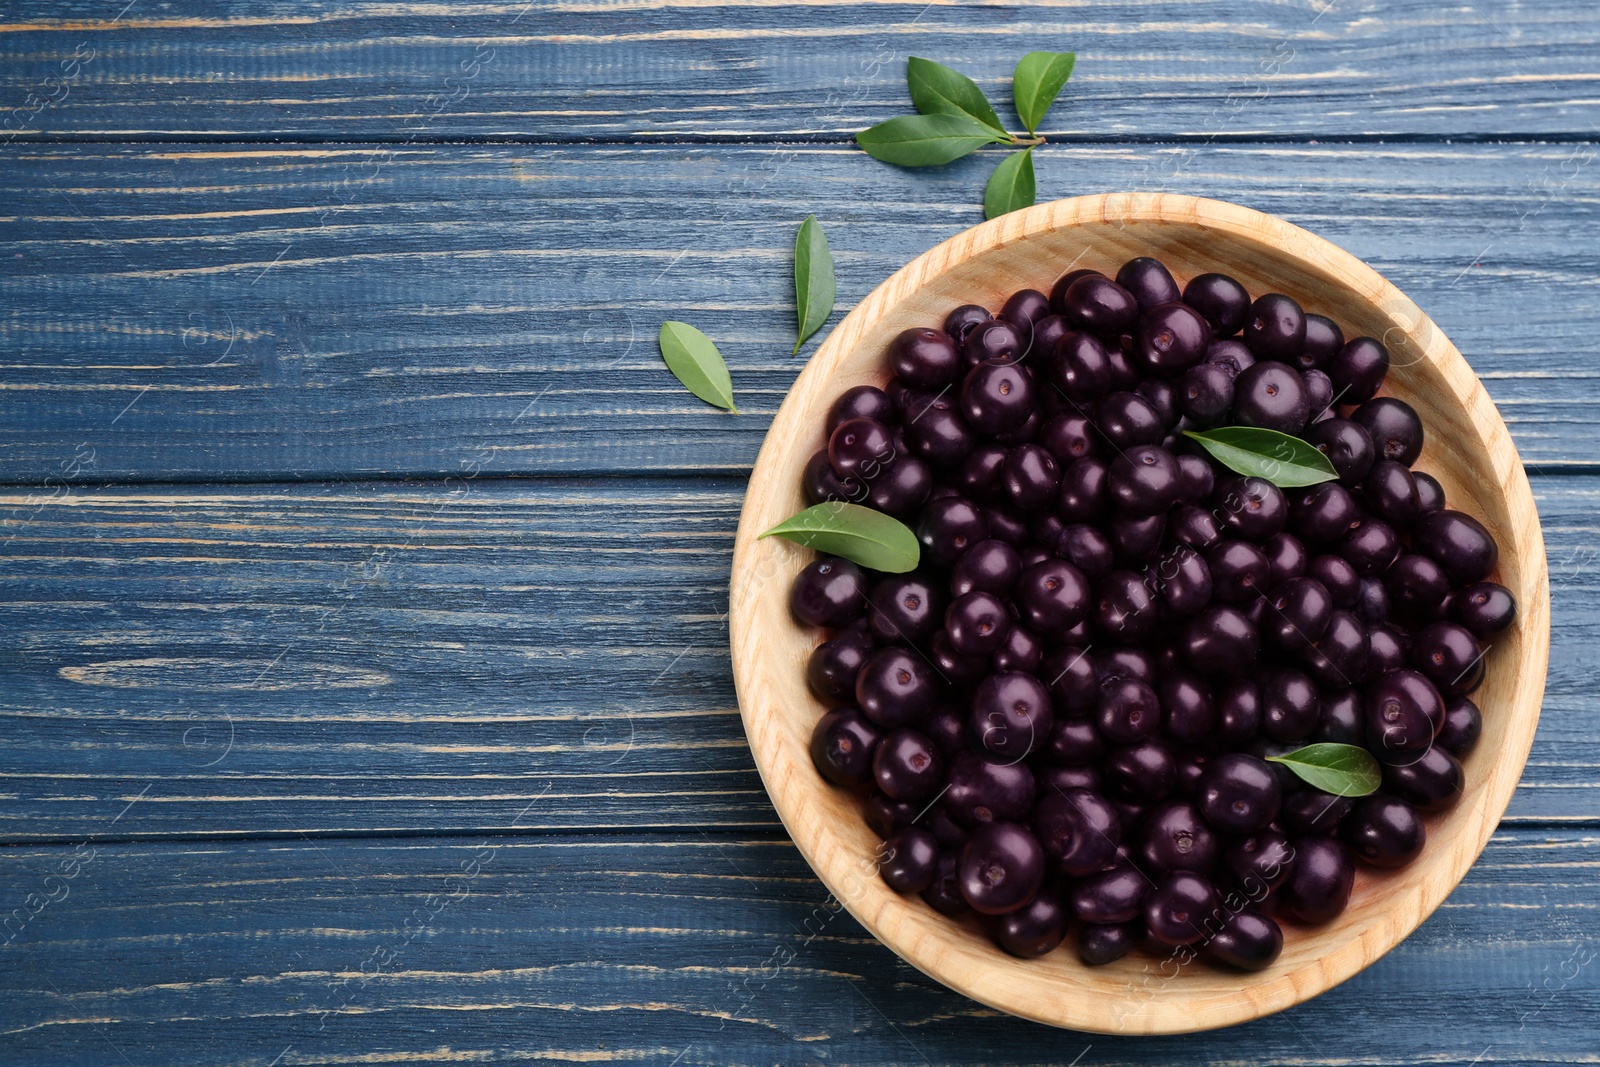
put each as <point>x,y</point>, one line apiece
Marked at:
<point>1027,142</point>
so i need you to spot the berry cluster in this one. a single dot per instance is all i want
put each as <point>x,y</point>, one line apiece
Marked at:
<point>1067,711</point>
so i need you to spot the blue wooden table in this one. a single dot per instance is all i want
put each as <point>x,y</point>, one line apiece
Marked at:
<point>365,693</point>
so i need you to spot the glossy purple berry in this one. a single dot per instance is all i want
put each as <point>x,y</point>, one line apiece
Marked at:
<point>1447,654</point>
<point>1239,794</point>
<point>1144,480</point>
<point>1179,908</point>
<point>925,359</point>
<point>905,609</point>
<point>1432,783</point>
<point>1011,715</point>
<point>1001,868</point>
<point>1403,712</point>
<point>1394,427</point>
<point>1320,880</point>
<point>1390,491</point>
<point>1032,477</point>
<point>1103,943</point>
<point>1024,307</point>
<point>831,671</point>
<point>1248,940</point>
<point>1169,339</point>
<point>1271,395</point>
<point>1458,543</point>
<point>909,860</point>
<point>1128,420</point>
<point>1322,343</point>
<point>907,766</point>
<point>1205,394</point>
<point>1128,711</point>
<point>895,688</point>
<point>1385,831</point>
<point>862,402</point>
<point>997,398</point>
<point>1290,709</point>
<point>1275,328</point>
<point>983,790</point>
<point>1357,370</point>
<point>1485,608</point>
<point>998,343</point>
<point>1348,447</point>
<point>1098,305</point>
<point>828,592</point>
<point>1223,302</point>
<point>1173,837</point>
<point>1220,642</point>
<point>1078,831</point>
<point>948,527</point>
<point>1080,368</point>
<point>964,319</point>
<point>1463,725</point>
<point>842,744</point>
<point>1053,596</point>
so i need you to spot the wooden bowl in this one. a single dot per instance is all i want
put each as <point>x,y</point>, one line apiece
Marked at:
<point>1468,449</point>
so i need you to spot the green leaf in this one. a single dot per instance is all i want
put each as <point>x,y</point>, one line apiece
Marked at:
<point>814,285</point>
<point>1010,186</point>
<point>1343,770</point>
<point>695,361</point>
<point>926,140</point>
<point>1285,461</point>
<point>938,90</point>
<point>861,535</point>
<point>1037,82</point>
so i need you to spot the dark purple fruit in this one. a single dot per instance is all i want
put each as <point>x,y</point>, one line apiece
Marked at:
<point>1173,837</point>
<point>907,766</point>
<point>1129,419</point>
<point>1222,301</point>
<point>1254,508</point>
<point>1320,880</point>
<point>963,319</point>
<point>1099,305</point>
<point>1078,831</point>
<point>1394,426</point>
<point>997,398</point>
<point>842,744</point>
<point>1103,943</point>
<point>1485,608</point>
<point>948,527</point>
<point>1275,328</point>
<point>925,359</point>
<point>1001,868</point>
<point>1385,831</point>
<point>1417,585</point>
<point>1169,339</point>
<point>1053,596</point>
<point>1080,368</point>
<point>1112,896</point>
<point>1084,493</point>
<point>1463,724</point>
<point>1323,341</point>
<point>1034,929</point>
<point>862,402</point>
<point>1432,784</point>
<point>1447,654</point>
<point>1239,794</point>
<point>1259,863</point>
<point>1142,773</point>
<point>1271,395</point>
<point>1011,715</point>
<point>831,671</point>
<point>1290,709</point>
<point>1358,370</point>
<point>1220,642</point>
<point>895,688</point>
<point>905,609</point>
<point>1123,607</point>
<point>828,592</point>
<point>1458,543</point>
<point>1148,280</point>
<point>1298,613</point>
<point>1178,910</point>
<point>1144,480</point>
<point>1129,711</point>
<point>1403,712</point>
<point>1248,940</point>
<point>1348,447</point>
<point>983,790</point>
<point>909,860</point>
<point>1024,307</point>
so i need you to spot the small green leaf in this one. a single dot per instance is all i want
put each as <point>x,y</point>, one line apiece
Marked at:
<point>1285,461</point>
<point>1010,186</point>
<point>938,90</point>
<point>695,361</point>
<point>926,140</point>
<point>1343,770</point>
<point>814,285</point>
<point>861,535</point>
<point>1037,82</point>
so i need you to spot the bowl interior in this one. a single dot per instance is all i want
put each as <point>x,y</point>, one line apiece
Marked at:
<point>1467,449</point>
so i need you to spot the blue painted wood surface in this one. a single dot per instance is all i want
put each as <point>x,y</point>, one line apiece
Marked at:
<point>367,695</point>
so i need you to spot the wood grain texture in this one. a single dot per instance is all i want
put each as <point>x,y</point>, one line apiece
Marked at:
<point>1468,449</point>
<point>349,70</point>
<point>681,949</point>
<point>190,313</point>
<point>339,659</point>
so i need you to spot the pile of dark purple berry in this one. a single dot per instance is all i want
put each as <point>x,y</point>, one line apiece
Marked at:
<point>1063,717</point>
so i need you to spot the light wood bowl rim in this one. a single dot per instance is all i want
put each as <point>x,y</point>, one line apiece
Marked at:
<point>949,952</point>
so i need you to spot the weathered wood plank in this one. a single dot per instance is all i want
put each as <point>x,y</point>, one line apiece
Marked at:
<point>353,659</point>
<point>675,950</point>
<point>191,312</point>
<point>604,69</point>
